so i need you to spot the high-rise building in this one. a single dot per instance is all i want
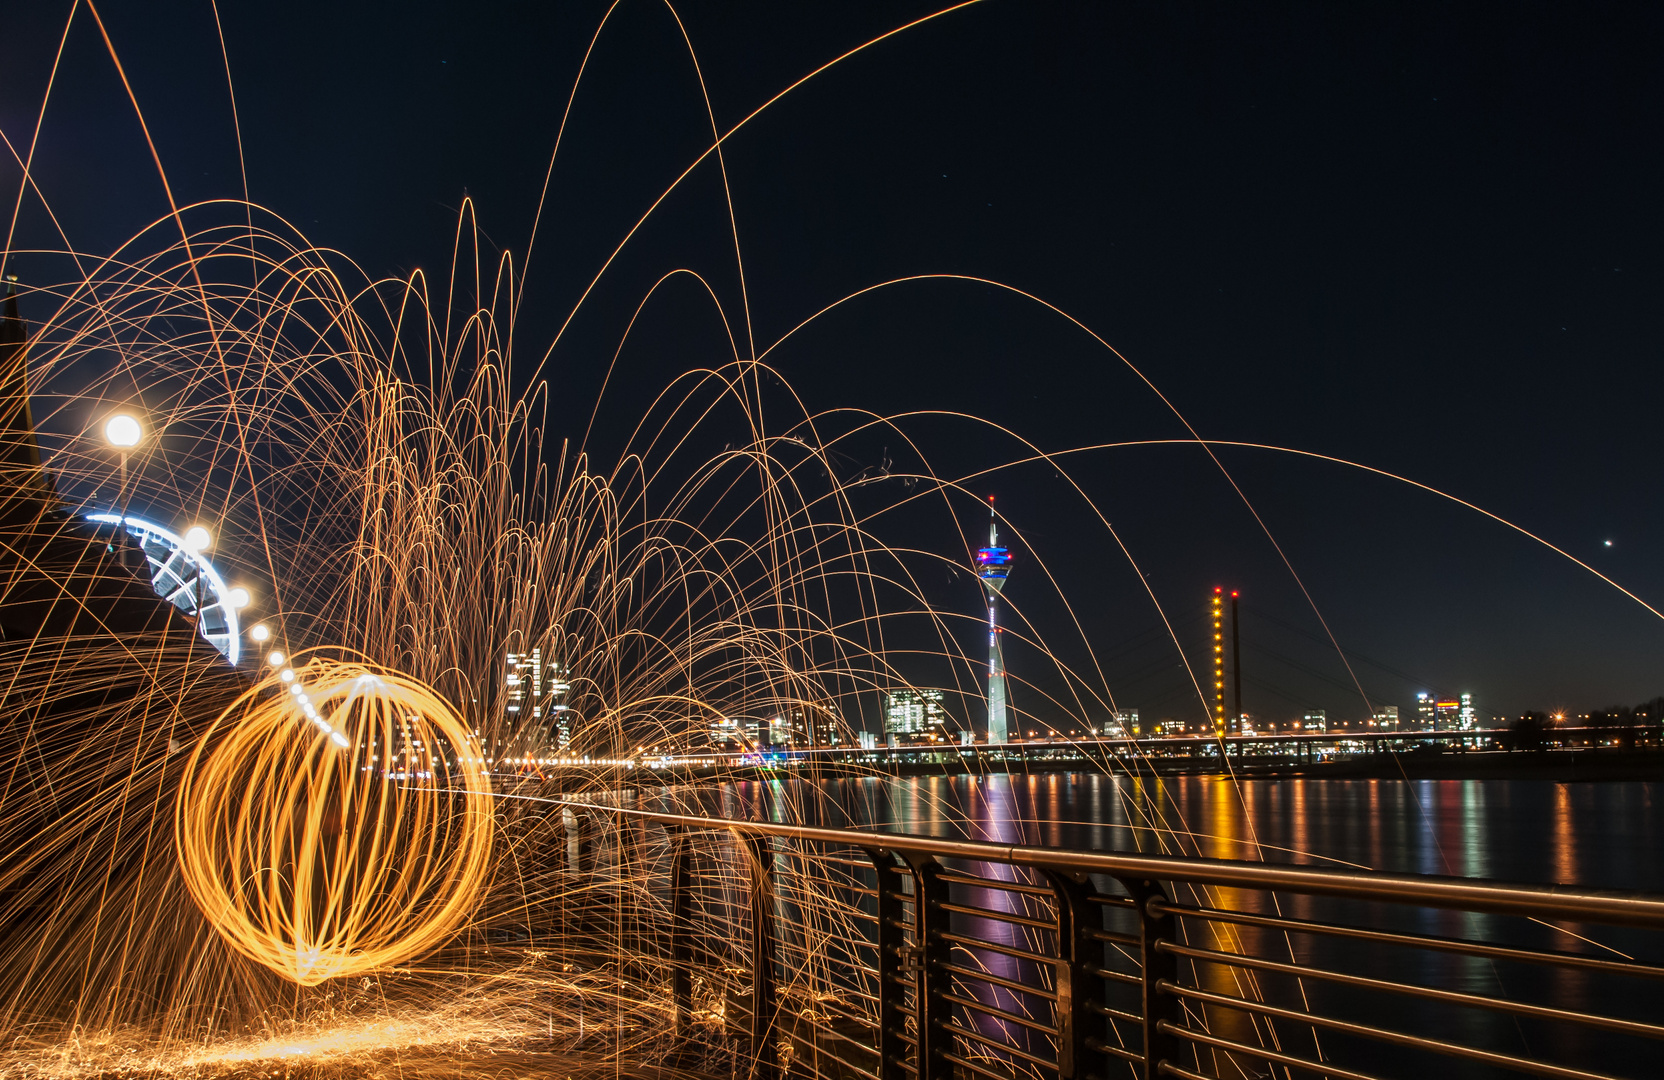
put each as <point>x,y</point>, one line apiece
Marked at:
<point>1121,725</point>
<point>1438,713</point>
<point>1217,613</point>
<point>538,719</point>
<point>725,733</point>
<point>993,565</point>
<point>750,736</point>
<point>813,725</point>
<point>1385,718</point>
<point>1315,722</point>
<point>915,715</point>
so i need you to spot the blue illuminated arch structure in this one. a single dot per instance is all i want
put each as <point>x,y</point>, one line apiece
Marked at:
<point>185,579</point>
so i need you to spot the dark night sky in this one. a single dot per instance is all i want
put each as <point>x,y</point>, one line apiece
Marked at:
<point>1422,237</point>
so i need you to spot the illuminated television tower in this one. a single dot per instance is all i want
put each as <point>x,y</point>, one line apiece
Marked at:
<point>993,564</point>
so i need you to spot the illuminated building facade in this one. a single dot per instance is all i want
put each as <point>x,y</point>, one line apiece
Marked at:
<point>1217,613</point>
<point>915,715</point>
<point>1122,724</point>
<point>731,734</point>
<point>993,566</point>
<point>538,719</point>
<point>1314,722</point>
<point>1444,713</point>
<point>1385,718</point>
<point>795,728</point>
<point>804,727</point>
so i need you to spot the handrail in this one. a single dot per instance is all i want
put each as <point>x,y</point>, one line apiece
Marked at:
<point>846,954</point>
<point>1567,902</point>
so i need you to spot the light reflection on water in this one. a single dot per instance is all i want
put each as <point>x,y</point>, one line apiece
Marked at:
<point>1594,834</point>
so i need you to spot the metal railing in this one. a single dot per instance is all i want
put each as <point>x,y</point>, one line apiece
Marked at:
<point>850,955</point>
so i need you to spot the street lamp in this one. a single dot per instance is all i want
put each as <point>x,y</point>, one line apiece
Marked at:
<point>122,431</point>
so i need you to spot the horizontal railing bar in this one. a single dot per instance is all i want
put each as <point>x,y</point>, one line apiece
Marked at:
<point>1003,950</point>
<point>821,1051</point>
<point>1118,1014</point>
<point>1167,1068</point>
<point>1420,1042</point>
<point>988,1010</point>
<point>1454,997</point>
<point>1473,948</point>
<point>1111,900</point>
<point>1549,901</point>
<point>999,916</point>
<point>976,882</point>
<point>1114,976</point>
<point>982,976</point>
<point>1323,1068</point>
<point>836,1034</point>
<point>840,1009</point>
<point>980,1070</point>
<point>1097,1044</point>
<point>993,1044</point>
<point>1109,935</point>
<point>862,994</point>
<point>859,864</point>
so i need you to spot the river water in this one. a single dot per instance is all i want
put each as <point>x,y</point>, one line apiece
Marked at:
<point>1602,834</point>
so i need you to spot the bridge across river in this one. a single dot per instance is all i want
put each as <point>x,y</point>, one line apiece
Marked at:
<point>1182,753</point>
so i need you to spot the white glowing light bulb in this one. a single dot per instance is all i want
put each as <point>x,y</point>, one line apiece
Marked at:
<point>123,431</point>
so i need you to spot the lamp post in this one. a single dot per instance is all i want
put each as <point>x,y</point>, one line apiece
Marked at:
<point>122,431</point>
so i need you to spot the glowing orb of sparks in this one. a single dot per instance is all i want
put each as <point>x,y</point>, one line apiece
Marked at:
<point>338,831</point>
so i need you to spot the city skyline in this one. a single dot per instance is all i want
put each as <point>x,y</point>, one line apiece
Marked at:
<point>1302,300</point>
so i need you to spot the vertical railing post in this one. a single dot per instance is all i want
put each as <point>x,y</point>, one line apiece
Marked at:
<point>763,997</point>
<point>1078,958</point>
<point>1155,926</point>
<point>681,932</point>
<point>579,841</point>
<point>890,949</point>
<point>930,922</point>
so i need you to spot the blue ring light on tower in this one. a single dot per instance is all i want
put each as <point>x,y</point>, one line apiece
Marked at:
<point>183,576</point>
